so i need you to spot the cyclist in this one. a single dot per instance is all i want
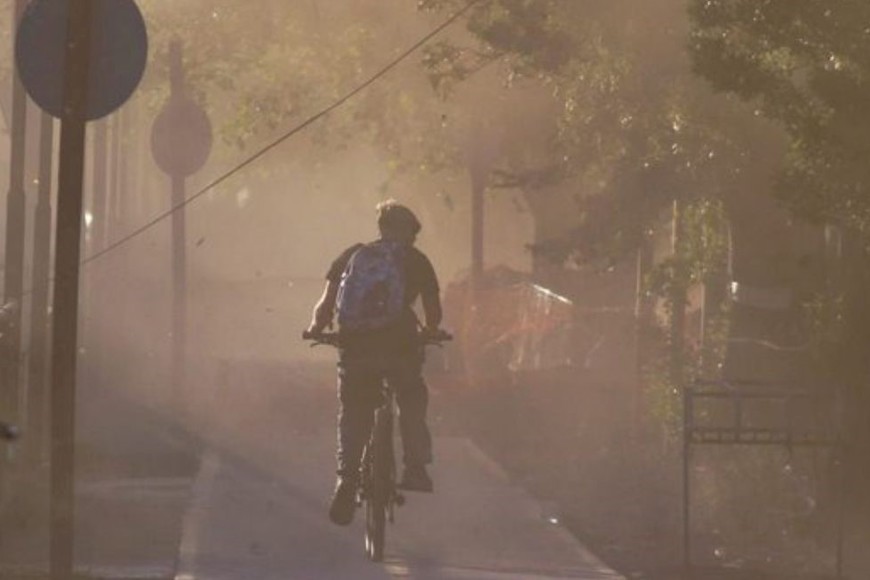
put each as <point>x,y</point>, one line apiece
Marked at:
<point>393,353</point>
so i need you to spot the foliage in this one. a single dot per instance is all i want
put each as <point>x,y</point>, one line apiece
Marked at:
<point>633,125</point>
<point>700,259</point>
<point>825,317</point>
<point>260,69</point>
<point>635,130</point>
<point>804,64</point>
<point>766,508</point>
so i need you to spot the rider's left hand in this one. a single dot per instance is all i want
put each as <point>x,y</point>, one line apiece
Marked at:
<point>317,328</point>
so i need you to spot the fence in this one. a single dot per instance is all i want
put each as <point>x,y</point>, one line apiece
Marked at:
<point>791,418</point>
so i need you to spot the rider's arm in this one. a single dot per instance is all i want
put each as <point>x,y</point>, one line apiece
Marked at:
<point>325,308</point>
<point>430,292</point>
<point>432,310</point>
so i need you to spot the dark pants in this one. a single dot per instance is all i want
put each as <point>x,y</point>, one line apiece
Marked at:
<point>361,380</point>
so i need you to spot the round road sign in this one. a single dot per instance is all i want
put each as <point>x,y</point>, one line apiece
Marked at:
<point>119,50</point>
<point>181,137</point>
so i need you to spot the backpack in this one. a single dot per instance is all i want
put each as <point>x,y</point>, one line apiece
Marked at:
<point>371,294</point>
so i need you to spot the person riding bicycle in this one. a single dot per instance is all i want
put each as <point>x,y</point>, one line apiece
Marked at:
<point>387,349</point>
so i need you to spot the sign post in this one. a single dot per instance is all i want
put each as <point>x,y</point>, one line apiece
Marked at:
<point>14,253</point>
<point>79,60</point>
<point>66,289</point>
<point>39,317</point>
<point>181,141</point>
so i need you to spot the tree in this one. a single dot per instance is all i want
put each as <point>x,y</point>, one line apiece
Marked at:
<point>804,65</point>
<point>631,125</point>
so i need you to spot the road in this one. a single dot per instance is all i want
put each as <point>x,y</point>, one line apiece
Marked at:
<point>236,488</point>
<point>258,508</point>
<point>244,524</point>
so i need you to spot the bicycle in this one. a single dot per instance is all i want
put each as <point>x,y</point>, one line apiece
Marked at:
<point>377,490</point>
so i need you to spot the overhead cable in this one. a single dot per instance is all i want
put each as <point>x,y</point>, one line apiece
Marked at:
<point>272,145</point>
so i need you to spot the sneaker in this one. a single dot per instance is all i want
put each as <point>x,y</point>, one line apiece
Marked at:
<point>416,479</point>
<point>343,504</point>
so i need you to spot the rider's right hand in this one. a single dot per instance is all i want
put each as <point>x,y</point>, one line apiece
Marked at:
<point>438,334</point>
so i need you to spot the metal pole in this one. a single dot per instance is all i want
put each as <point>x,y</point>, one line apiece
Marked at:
<point>14,258</point>
<point>477,226</point>
<point>66,295</point>
<point>117,197</point>
<point>179,240</point>
<point>40,319</point>
<point>120,182</point>
<point>687,450</point>
<point>100,184</point>
<point>480,156</point>
<point>94,285</point>
<point>841,507</point>
<point>641,317</point>
<point>678,301</point>
<point>179,277</point>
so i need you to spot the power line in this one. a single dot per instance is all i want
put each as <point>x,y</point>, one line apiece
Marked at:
<point>316,117</point>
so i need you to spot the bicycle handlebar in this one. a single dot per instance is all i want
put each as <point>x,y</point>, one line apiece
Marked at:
<point>335,338</point>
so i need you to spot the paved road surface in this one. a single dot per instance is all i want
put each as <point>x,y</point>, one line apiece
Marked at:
<point>243,524</point>
<point>238,491</point>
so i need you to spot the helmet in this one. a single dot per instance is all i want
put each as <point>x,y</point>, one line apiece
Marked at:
<point>395,218</point>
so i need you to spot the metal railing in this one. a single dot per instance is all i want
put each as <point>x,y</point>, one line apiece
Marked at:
<point>739,426</point>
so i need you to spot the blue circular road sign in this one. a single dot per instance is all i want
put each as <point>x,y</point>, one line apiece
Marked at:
<point>181,137</point>
<point>119,50</point>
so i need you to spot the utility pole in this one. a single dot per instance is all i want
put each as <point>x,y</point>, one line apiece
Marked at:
<point>642,318</point>
<point>95,291</point>
<point>100,184</point>
<point>14,258</point>
<point>181,141</point>
<point>478,222</point>
<point>179,246</point>
<point>480,153</point>
<point>39,319</point>
<point>116,194</point>
<point>679,286</point>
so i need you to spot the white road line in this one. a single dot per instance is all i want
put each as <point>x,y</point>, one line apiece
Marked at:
<point>126,572</point>
<point>200,493</point>
<point>400,570</point>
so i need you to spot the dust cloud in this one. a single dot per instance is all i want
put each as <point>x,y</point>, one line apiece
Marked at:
<point>622,261</point>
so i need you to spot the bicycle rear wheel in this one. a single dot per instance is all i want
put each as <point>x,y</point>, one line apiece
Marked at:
<point>380,483</point>
<point>376,528</point>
